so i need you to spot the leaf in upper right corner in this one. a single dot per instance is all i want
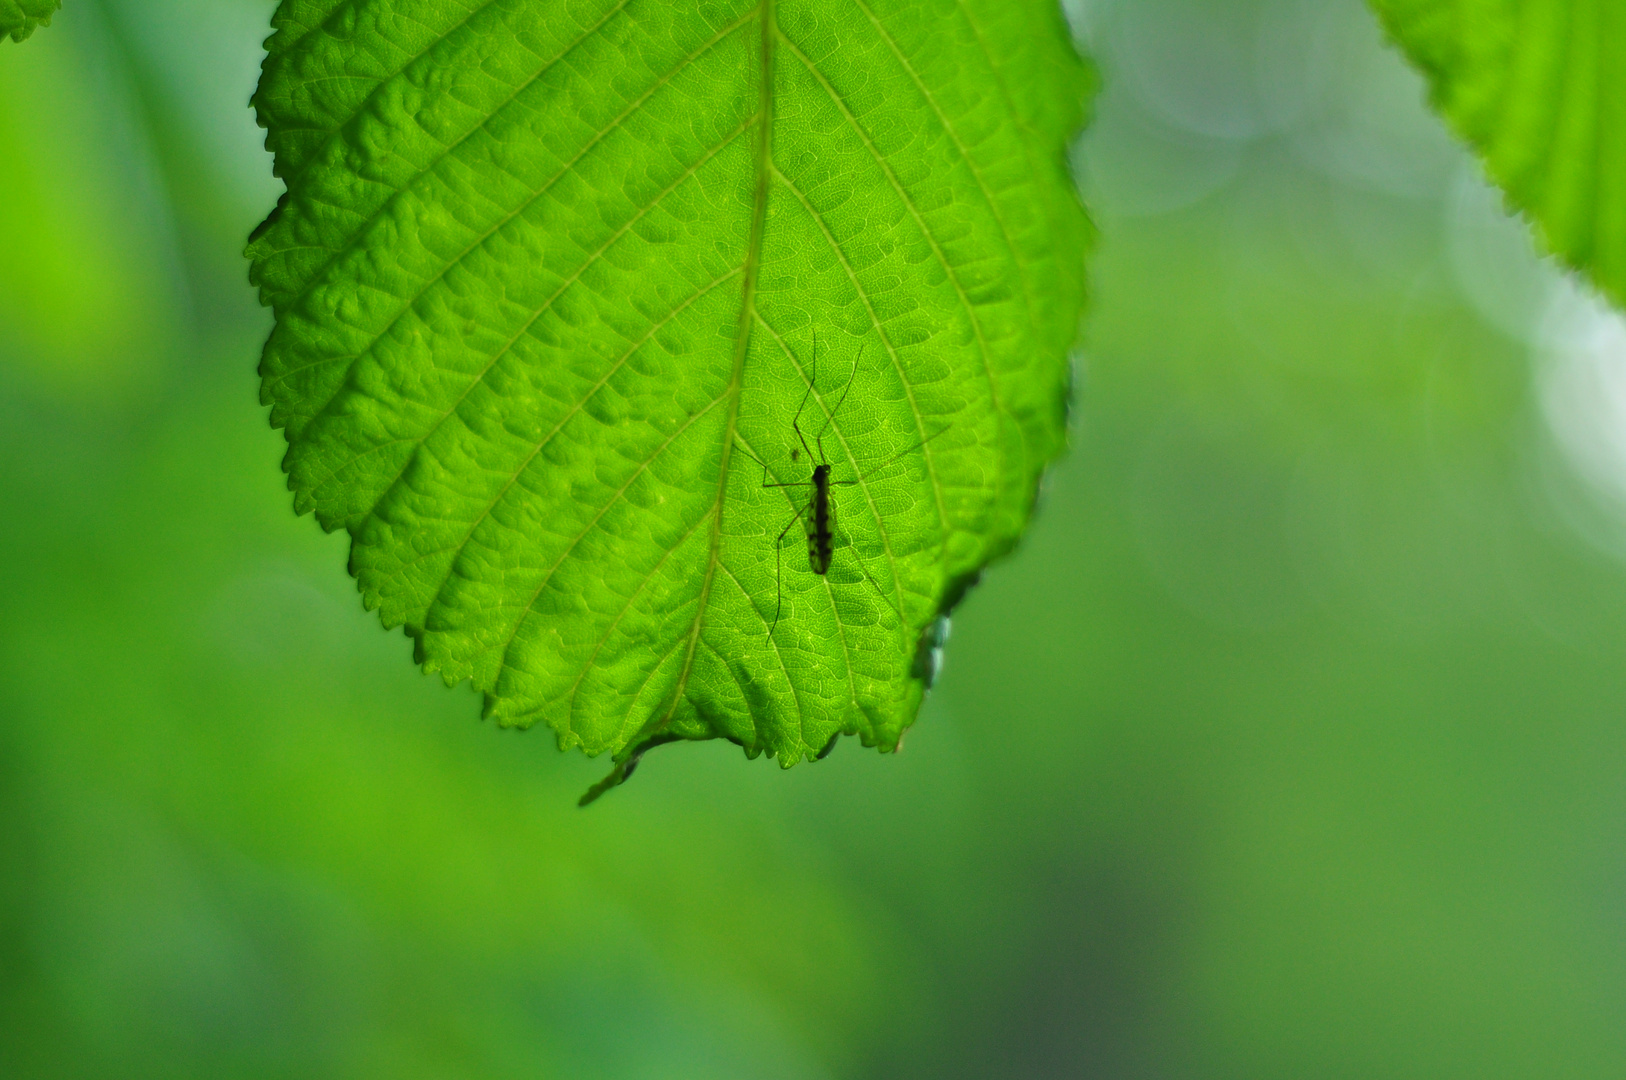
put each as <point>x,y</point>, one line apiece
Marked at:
<point>19,18</point>
<point>1538,87</point>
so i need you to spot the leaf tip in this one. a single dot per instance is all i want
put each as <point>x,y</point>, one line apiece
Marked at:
<point>624,768</point>
<point>617,777</point>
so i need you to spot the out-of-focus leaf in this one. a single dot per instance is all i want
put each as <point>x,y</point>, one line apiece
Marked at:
<point>548,280</point>
<point>19,18</point>
<point>1538,87</point>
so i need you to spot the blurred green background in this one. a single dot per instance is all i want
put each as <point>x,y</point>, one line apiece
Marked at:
<point>1290,744</point>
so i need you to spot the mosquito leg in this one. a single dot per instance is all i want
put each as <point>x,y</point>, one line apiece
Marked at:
<point>895,458</point>
<point>779,572</point>
<point>831,415</point>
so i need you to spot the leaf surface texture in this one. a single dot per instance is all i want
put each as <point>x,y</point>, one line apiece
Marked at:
<point>547,282</point>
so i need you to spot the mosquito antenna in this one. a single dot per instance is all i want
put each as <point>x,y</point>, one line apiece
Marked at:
<point>830,417</point>
<point>779,572</point>
<point>796,422</point>
<point>918,445</point>
<point>895,458</point>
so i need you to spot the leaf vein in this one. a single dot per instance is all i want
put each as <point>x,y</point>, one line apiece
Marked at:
<point>742,339</point>
<point>547,306</point>
<point>525,205</point>
<point>863,483</point>
<point>954,134</point>
<point>891,350</point>
<point>914,211</point>
<point>547,579</point>
<point>558,427</point>
<point>643,583</point>
<point>779,655</point>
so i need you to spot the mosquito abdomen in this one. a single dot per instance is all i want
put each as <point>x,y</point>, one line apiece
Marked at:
<point>821,533</point>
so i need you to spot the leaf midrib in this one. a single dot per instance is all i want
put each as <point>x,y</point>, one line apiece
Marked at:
<point>762,164</point>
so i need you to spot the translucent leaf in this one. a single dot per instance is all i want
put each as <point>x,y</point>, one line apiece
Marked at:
<point>1538,87</point>
<point>548,279</point>
<point>19,18</point>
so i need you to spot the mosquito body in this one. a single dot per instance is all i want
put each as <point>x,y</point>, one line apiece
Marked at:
<point>821,522</point>
<point>818,514</point>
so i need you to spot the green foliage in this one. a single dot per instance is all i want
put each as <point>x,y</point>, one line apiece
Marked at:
<point>1539,88</point>
<point>19,18</point>
<point>548,279</point>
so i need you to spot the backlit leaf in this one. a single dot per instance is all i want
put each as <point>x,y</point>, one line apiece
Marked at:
<point>547,282</point>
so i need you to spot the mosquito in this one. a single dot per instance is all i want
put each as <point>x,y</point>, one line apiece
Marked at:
<point>818,516</point>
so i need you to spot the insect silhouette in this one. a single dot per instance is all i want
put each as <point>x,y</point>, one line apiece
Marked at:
<point>818,515</point>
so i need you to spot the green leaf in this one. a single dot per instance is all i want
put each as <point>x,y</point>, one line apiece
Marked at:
<point>547,282</point>
<point>19,18</point>
<point>1538,87</point>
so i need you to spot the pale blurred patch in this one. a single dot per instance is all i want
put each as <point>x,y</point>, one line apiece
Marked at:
<point>1367,126</point>
<point>1131,165</point>
<point>1192,87</point>
<point>206,90</point>
<point>1580,344</point>
<point>1494,260</point>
